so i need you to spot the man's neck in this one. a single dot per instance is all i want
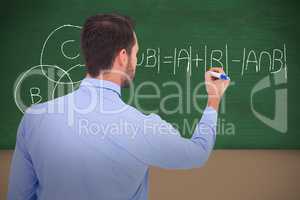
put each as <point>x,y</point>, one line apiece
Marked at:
<point>107,77</point>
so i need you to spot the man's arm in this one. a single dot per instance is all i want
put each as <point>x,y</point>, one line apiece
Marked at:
<point>22,180</point>
<point>158,143</point>
<point>166,148</point>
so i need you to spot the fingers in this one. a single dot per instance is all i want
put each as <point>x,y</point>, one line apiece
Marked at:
<point>217,69</point>
<point>208,76</point>
<point>215,87</point>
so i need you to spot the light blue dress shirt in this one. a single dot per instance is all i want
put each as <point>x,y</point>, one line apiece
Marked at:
<point>91,145</point>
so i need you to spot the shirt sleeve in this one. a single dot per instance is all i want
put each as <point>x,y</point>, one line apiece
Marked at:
<point>158,143</point>
<point>22,180</point>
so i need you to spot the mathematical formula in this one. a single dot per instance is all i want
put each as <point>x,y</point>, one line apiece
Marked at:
<point>272,60</point>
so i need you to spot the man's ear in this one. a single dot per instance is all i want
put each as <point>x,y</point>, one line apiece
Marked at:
<point>122,58</point>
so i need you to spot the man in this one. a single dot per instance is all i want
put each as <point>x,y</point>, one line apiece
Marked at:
<point>91,145</point>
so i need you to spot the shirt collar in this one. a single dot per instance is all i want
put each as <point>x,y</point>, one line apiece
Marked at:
<point>103,84</point>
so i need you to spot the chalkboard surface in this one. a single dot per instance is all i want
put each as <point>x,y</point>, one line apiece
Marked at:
<point>256,42</point>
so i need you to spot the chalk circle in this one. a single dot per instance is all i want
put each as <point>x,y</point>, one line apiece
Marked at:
<point>35,70</point>
<point>63,72</point>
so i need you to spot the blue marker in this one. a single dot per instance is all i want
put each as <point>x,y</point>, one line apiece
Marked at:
<point>221,76</point>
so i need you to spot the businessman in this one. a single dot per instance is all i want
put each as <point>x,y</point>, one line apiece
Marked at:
<point>90,144</point>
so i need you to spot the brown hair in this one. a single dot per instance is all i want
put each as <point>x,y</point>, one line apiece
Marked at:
<point>102,38</point>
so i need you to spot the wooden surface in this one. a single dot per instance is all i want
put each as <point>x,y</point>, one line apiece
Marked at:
<point>228,175</point>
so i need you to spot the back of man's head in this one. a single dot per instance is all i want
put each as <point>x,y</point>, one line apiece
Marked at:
<point>102,37</point>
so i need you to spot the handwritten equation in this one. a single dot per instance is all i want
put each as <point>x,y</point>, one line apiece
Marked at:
<point>272,61</point>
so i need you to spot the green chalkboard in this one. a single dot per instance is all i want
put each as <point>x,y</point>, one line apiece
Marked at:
<point>256,42</point>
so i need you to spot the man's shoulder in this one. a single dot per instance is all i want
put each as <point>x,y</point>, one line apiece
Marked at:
<point>131,111</point>
<point>46,107</point>
<point>35,113</point>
